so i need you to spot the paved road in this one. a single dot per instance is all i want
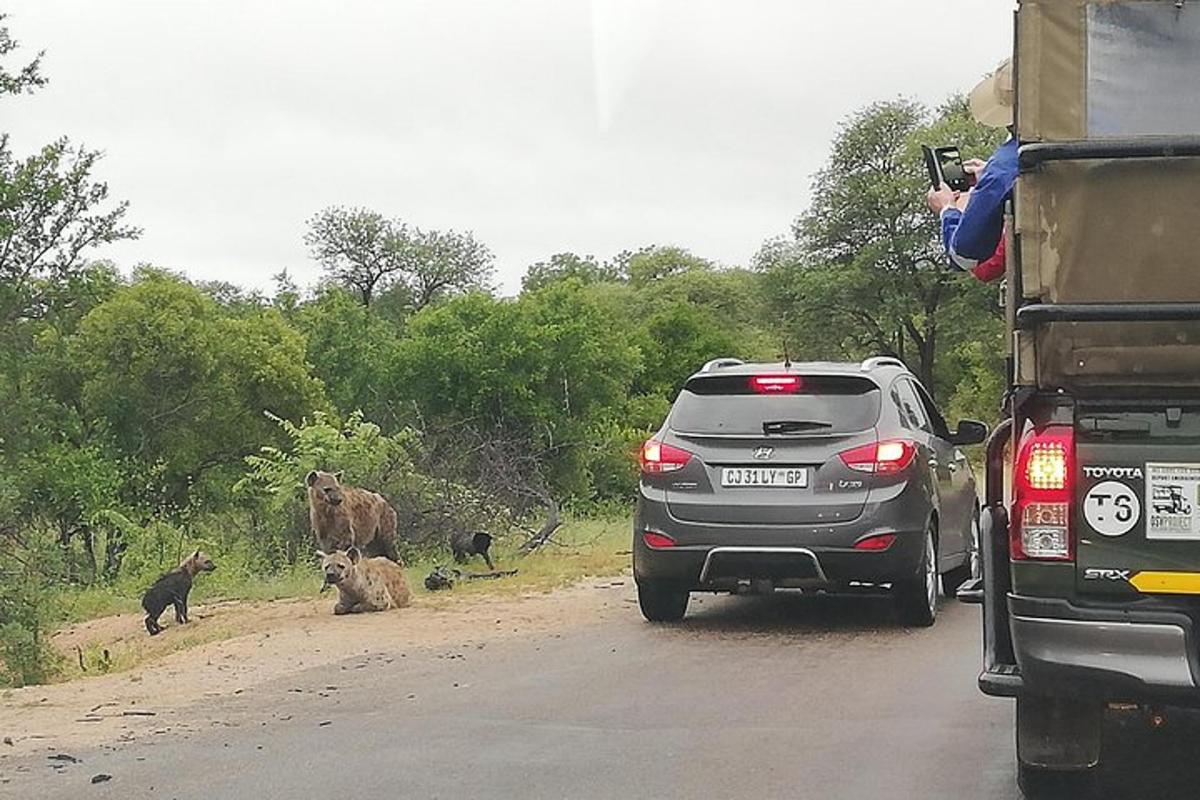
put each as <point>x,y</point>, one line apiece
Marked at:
<point>750,698</point>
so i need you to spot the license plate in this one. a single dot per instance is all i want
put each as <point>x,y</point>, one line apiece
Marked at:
<point>765,477</point>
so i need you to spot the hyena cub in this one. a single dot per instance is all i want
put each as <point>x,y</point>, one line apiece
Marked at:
<point>172,589</point>
<point>364,584</point>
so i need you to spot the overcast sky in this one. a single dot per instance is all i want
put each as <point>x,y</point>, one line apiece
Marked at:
<point>541,125</point>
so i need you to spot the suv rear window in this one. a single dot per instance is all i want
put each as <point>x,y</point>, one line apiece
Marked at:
<point>728,405</point>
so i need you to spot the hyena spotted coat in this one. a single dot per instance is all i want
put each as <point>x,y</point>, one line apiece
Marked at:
<point>344,516</point>
<point>364,584</point>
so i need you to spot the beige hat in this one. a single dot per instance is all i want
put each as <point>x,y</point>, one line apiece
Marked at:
<point>992,99</point>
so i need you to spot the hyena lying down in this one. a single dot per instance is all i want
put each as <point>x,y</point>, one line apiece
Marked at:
<point>364,584</point>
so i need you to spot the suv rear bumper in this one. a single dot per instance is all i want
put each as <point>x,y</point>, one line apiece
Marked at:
<point>1131,654</point>
<point>788,559</point>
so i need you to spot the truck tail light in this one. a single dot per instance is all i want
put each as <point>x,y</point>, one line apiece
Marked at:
<point>1043,484</point>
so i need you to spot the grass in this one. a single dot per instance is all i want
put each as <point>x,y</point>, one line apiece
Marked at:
<point>582,548</point>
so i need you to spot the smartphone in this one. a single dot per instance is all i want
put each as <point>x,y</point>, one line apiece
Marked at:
<point>945,166</point>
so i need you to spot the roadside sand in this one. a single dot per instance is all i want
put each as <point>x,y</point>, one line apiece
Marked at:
<point>261,642</point>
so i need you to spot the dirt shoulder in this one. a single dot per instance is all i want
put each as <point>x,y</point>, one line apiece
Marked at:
<point>229,648</point>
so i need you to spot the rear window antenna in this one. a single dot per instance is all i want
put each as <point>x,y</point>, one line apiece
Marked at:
<point>787,360</point>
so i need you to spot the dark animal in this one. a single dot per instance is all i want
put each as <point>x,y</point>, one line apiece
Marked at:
<point>441,578</point>
<point>465,544</point>
<point>172,589</point>
<point>445,578</point>
<point>344,516</point>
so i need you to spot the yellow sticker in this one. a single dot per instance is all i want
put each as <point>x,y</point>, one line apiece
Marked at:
<point>1167,582</point>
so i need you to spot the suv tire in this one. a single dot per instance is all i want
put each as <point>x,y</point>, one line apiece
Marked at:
<point>969,568</point>
<point>662,602</point>
<point>1047,784</point>
<point>916,598</point>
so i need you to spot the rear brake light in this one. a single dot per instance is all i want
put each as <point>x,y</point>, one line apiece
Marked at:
<point>775,384</point>
<point>876,543</point>
<point>657,541</point>
<point>883,458</point>
<point>657,458</point>
<point>1042,489</point>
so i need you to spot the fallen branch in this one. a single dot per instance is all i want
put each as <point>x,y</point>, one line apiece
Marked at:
<point>547,530</point>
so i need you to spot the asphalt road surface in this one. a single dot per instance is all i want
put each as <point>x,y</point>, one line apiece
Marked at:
<point>773,697</point>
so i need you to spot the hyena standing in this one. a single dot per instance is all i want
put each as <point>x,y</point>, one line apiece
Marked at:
<point>172,589</point>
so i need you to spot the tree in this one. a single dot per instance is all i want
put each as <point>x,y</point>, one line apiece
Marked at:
<point>679,338</point>
<point>51,212</point>
<point>654,263</point>
<point>358,248</point>
<point>568,266</point>
<point>444,262</point>
<point>866,274</point>
<point>50,208</point>
<point>350,349</point>
<point>367,253</point>
<point>24,79</point>
<point>182,388</point>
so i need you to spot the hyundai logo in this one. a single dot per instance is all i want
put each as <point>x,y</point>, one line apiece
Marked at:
<point>763,453</point>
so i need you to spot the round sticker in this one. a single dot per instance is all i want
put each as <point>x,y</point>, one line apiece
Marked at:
<point>1111,508</point>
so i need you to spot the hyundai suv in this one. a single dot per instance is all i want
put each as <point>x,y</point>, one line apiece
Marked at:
<point>808,476</point>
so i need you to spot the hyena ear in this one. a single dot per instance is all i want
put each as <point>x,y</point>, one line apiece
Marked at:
<point>338,475</point>
<point>311,478</point>
<point>354,555</point>
<point>322,554</point>
<point>196,555</point>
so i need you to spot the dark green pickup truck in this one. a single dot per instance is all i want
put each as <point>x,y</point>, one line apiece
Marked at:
<point>1090,531</point>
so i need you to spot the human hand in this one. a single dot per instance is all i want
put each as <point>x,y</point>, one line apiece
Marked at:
<point>974,168</point>
<point>941,198</point>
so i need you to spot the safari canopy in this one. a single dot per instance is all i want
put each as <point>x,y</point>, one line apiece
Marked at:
<point>1108,113</point>
<point>1108,69</point>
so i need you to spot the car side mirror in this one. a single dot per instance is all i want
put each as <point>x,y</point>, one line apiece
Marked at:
<point>969,432</point>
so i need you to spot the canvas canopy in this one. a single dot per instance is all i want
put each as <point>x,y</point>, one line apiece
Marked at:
<point>1098,223</point>
<point>1107,68</point>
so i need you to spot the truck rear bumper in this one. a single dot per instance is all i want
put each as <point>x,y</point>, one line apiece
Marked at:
<point>1063,648</point>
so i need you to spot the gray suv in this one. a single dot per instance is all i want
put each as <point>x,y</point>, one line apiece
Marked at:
<point>810,476</point>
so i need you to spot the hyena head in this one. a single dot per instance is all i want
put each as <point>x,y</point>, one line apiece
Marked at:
<point>198,562</point>
<point>325,487</point>
<point>340,566</point>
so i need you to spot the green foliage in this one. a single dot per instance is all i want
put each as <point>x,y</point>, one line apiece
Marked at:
<point>51,212</point>
<point>865,274</point>
<point>178,384</point>
<point>348,347</point>
<point>23,79</point>
<point>26,613</point>
<point>367,253</point>
<point>568,266</point>
<point>678,339</point>
<point>652,264</point>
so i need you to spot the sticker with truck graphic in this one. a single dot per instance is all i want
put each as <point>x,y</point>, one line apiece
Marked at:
<point>1173,502</point>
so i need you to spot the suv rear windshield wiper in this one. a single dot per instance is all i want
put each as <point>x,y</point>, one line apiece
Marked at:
<point>794,425</point>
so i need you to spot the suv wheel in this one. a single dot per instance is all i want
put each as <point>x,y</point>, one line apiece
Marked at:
<point>662,602</point>
<point>970,568</point>
<point>917,598</point>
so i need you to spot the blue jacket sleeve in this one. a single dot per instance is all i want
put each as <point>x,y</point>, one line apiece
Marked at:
<point>973,235</point>
<point>951,218</point>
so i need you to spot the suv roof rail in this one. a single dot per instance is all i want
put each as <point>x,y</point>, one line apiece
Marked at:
<point>882,361</point>
<point>718,363</point>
